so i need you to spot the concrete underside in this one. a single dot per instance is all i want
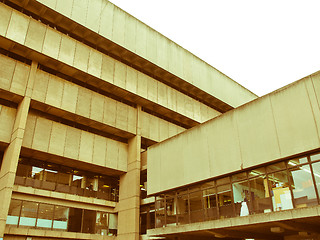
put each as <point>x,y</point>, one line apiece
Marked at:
<point>303,223</point>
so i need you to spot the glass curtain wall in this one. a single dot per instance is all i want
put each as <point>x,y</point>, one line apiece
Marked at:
<point>26,214</point>
<point>284,185</point>
<point>55,177</point>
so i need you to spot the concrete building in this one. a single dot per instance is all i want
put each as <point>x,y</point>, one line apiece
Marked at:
<point>95,108</point>
<point>85,88</point>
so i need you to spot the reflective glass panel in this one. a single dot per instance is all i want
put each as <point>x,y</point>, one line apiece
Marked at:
<point>297,161</point>
<point>45,216</point>
<point>315,157</point>
<point>28,214</point>
<point>239,177</point>
<point>210,203</point>
<point>302,186</point>
<point>281,196</point>
<point>241,197</point>
<point>225,201</point>
<point>182,208</point>
<point>113,224</point>
<point>171,210</point>
<point>259,195</point>
<point>60,219</point>
<point>14,212</point>
<point>316,173</point>
<point>196,206</point>
<point>276,167</point>
<point>256,172</point>
<point>102,223</point>
<point>160,212</point>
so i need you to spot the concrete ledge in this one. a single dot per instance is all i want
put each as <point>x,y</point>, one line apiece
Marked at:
<point>263,218</point>
<point>53,234</point>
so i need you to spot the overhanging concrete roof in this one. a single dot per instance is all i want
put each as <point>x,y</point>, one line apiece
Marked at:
<point>279,125</point>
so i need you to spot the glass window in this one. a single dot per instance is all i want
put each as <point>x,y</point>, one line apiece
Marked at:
<point>14,212</point>
<point>297,161</point>
<point>256,172</point>
<point>225,201</point>
<point>89,218</point>
<point>196,206</point>
<point>160,212</point>
<point>45,216</point>
<point>77,178</point>
<point>60,219</point>
<point>113,224</point>
<point>239,177</point>
<point>315,157</point>
<point>259,195</point>
<point>102,223</point>
<point>281,195</point>
<point>302,186</point>
<point>222,181</point>
<point>64,175</point>
<point>316,173</point>
<point>182,207</point>
<point>241,197</point>
<point>210,203</point>
<point>171,210</point>
<point>28,214</point>
<point>51,172</point>
<point>276,167</point>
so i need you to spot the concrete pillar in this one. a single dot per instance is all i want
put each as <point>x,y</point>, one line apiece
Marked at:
<point>129,191</point>
<point>12,152</point>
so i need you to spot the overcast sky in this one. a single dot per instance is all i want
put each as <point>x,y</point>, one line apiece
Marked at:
<point>263,45</point>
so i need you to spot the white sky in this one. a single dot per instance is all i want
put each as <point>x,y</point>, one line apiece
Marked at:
<point>263,45</point>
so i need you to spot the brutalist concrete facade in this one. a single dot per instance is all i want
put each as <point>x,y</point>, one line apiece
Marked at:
<point>85,89</point>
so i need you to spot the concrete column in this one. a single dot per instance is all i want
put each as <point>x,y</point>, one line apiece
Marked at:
<point>129,192</point>
<point>12,152</point>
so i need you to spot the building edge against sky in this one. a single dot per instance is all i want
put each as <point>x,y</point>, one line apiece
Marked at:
<point>85,88</point>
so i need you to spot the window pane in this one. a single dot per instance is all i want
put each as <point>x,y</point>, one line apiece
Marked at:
<point>210,203</point>
<point>171,210</point>
<point>297,161</point>
<point>160,212</point>
<point>257,172</point>
<point>239,177</point>
<point>196,208</point>
<point>222,181</point>
<point>14,212</point>
<point>45,216</point>
<point>182,208</point>
<point>64,175</point>
<point>316,173</point>
<point>315,157</point>
<point>276,167</point>
<point>225,201</point>
<point>113,224</point>
<point>51,172</point>
<point>102,223</point>
<point>28,214</point>
<point>60,220</point>
<point>260,199</point>
<point>281,196</point>
<point>241,197</point>
<point>303,189</point>
<point>89,220</point>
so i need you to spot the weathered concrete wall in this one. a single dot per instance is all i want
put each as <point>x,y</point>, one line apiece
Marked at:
<point>53,44</point>
<point>48,136</point>
<point>120,27</point>
<point>281,124</point>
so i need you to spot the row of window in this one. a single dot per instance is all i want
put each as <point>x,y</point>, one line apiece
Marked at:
<point>285,185</point>
<point>46,216</point>
<point>54,177</point>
